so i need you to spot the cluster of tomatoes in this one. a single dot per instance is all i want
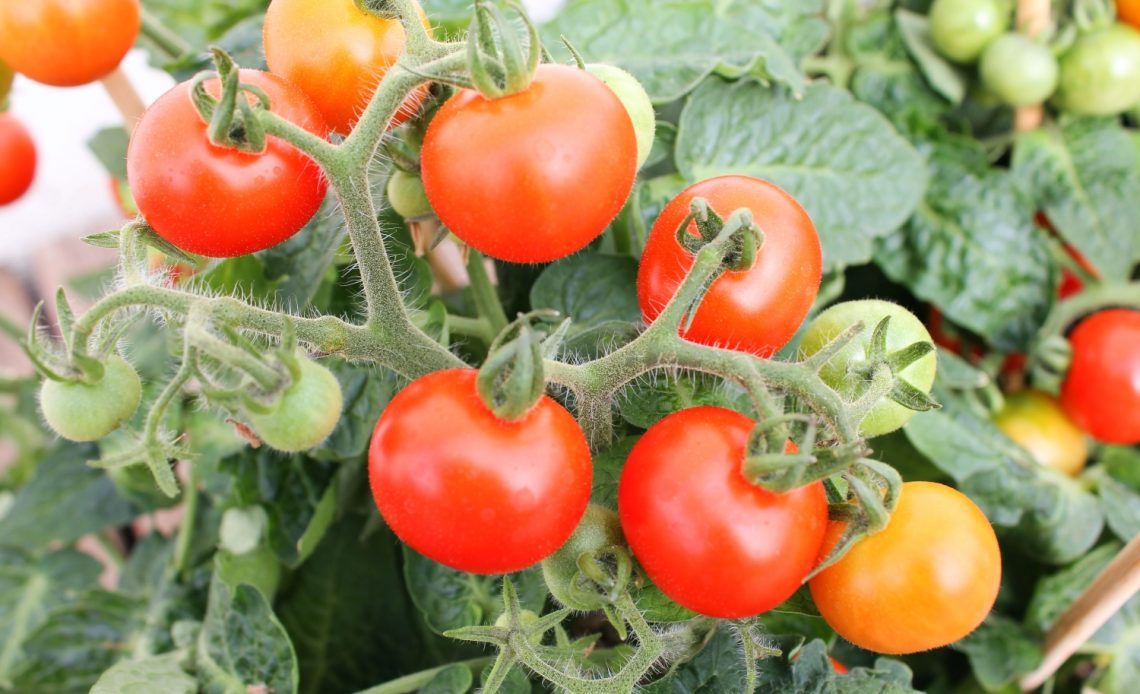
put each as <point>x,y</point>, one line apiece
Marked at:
<point>1097,73</point>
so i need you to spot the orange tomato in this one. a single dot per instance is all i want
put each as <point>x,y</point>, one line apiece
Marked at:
<point>1129,11</point>
<point>1037,423</point>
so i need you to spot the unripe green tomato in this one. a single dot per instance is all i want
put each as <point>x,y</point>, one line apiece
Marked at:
<point>90,411</point>
<point>1019,70</point>
<point>406,195</point>
<point>1100,73</point>
<point>636,102</point>
<point>961,29</point>
<point>305,414</point>
<point>599,528</point>
<point>903,330</point>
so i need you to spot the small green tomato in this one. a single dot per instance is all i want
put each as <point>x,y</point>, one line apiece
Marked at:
<point>961,29</point>
<point>636,102</point>
<point>305,414</point>
<point>89,411</point>
<point>1019,70</point>
<point>406,195</point>
<point>598,529</point>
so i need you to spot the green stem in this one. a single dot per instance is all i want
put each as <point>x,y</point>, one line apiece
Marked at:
<point>171,43</point>
<point>473,327</point>
<point>483,292</point>
<point>1092,299</point>
<point>416,680</point>
<point>320,150</point>
<point>186,530</point>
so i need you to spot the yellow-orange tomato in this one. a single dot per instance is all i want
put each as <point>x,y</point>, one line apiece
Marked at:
<point>1129,11</point>
<point>336,53</point>
<point>1036,422</point>
<point>66,43</point>
<point>926,580</point>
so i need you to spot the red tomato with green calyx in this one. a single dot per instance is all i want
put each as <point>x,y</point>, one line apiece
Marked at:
<point>755,310</point>
<point>469,490</point>
<point>219,201</point>
<point>711,540</point>
<point>532,176</point>
<point>17,159</point>
<point>1101,391</point>
<point>337,53</point>
<point>66,43</point>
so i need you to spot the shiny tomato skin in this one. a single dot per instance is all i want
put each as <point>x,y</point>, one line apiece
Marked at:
<point>533,176</point>
<point>66,43</point>
<point>1036,422</point>
<point>712,541</point>
<point>755,310</point>
<point>469,490</point>
<point>218,201</point>
<point>17,159</point>
<point>336,53</point>
<point>1101,391</point>
<point>926,580</point>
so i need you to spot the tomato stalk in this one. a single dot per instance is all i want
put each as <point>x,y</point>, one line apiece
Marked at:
<point>160,35</point>
<point>487,302</point>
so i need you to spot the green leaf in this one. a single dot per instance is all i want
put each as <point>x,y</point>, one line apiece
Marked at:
<point>671,46</point>
<point>885,76</point>
<point>649,400</point>
<point>300,263</point>
<point>242,645</point>
<point>454,679</point>
<point>1055,593</point>
<point>78,642</point>
<point>718,667</point>
<point>972,249</point>
<point>366,391</point>
<point>608,465</point>
<point>450,599</point>
<point>1121,505</point>
<point>1000,651</point>
<point>150,576</point>
<point>160,673</point>
<point>843,161</point>
<point>811,671</point>
<point>109,145</point>
<point>1084,174</point>
<point>64,481</point>
<point>348,613</point>
<point>946,78</point>
<point>599,293</point>
<point>30,588</point>
<point>291,488</point>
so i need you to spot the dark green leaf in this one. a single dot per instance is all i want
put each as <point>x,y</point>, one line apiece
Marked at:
<point>972,249</point>
<point>451,599</point>
<point>647,401</point>
<point>242,645</point>
<point>1000,651</point>
<point>856,177</point>
<point>366,391</point>
<point>1084,174</point>
<point>671,47</point>
<point>454,679</point>
<point>300,263</point>
<point>159,673</point>
<point>599,293</point>
<point>719,667</point>
<point>64,481</point>
<point>608,465</point>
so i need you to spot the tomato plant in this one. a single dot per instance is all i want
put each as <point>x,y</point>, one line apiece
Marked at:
<point>1100,73</point>
<point>756,309</point>
<point>844,371</point>
<point>88,411</point>
<point>532,176</point>
<point>961,29</point>
<point>336,52</point>
<point>218,201</point>
<point>1036,422</point>
<point>18,152</point>
<point>471,491</point>
<point>927,579</point>
<point>1101,391</point>
<point>688,513</point>
<point>66,43</point>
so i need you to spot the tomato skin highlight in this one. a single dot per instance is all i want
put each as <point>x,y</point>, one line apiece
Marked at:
<point>337,54</point>
<point>711,540</point>
<point>1101,391</point>
<point>218,201</point>
<point>926,580</point>
<point>66,43</point>
<point>533,176</point>
<point>17,159</point>
<point>755,310</point>
<point>469,490</point>
<point>1037,423</point>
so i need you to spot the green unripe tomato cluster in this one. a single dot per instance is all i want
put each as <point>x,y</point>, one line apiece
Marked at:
<point>961,29</point>
<point>306,413</point>
<point>89,411</point>
<point>842,371</point>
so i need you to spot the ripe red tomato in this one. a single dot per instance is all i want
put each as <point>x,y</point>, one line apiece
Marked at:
<point>755,310</point>
<point>469,490</point>
<point>336,53</point>
<point>710,539</point>
<point>218,201</point>
<point>533,176</point>
<point>66,43</point>
<point>926,580</point>
<point>1101,392</point>
<point>17,159</point>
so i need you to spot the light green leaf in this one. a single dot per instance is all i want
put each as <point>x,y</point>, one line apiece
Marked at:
<point>160,673</point>
<point>242,645</point>
<point>946,78</point>
<point>843,161</point>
